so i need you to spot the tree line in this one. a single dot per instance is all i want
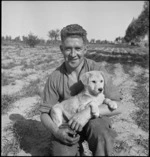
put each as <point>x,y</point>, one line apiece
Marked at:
<point>33,40</point>
<point>54,38</point>
<point>136,31</point>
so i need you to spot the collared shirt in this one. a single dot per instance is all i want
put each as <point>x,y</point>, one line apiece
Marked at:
<point>58,86</point>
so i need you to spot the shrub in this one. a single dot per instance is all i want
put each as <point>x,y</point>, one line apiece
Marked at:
<point>7,100</point>
<point>34,111</point>
<point>9,66</point>
<point>32,40</point>
<point>141,100</point>
<point>5,80</point>
<point>32,89</point>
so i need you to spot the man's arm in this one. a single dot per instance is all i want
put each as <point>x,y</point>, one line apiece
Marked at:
<point>50,98</point>
<point>60,133</point>
<point>48,123</point>
<point>79,120</point>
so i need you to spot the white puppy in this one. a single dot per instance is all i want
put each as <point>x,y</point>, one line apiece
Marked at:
<point>92,95</point>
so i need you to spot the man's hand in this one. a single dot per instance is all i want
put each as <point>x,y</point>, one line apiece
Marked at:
<point>78,121</point>
<point>65,135</point>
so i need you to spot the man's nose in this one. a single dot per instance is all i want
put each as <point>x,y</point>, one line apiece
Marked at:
<point>73,52</point>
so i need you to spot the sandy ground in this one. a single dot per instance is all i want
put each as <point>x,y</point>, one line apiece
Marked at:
<point>34,138</point>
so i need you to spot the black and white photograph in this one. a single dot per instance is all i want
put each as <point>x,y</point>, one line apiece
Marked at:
<point>75,78</point>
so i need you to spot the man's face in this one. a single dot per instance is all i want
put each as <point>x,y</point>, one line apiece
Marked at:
<point>73,49</point>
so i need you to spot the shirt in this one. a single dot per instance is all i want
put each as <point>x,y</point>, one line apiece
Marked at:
<point>58,88</point>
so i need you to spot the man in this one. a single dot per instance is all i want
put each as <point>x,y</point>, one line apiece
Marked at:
<point>65,82</point>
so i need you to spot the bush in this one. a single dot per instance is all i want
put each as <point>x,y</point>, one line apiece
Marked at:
<point>7,101</point>
<point>32,89</point>
<point>32,40</point>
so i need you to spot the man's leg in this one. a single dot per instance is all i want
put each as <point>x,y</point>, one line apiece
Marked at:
<point>100,136</point>
<point>59,149</point>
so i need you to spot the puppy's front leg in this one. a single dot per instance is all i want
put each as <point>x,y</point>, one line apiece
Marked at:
<point>112,104</point>
<point>94,109</point>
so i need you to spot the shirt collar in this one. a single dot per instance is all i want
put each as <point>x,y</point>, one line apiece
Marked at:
<point>81,71</point>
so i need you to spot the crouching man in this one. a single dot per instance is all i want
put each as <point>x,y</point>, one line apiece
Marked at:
<point>65,82</point>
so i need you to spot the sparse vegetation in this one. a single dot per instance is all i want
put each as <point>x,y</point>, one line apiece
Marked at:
<point>31,40</point>
<point>144,143</point>
<point>8,66</point>
<point>34,111</point>
<point>6,80</point>
<point>7,101</point>
<point>32,89</point>
<point>27,66</point>
<point>45,59</point>
<point>11,147</point>
<point>141,99</point>
<point>120,146</point>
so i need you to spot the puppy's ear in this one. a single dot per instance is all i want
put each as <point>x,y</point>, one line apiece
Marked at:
<point>85,78</point>
<point>106,80</point>
<point>103,75</point>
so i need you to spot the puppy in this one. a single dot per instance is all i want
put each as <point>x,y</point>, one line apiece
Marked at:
<point>92,96</point>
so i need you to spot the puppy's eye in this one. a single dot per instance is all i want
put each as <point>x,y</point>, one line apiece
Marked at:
<point>101,81</point>
<point>94,81</point>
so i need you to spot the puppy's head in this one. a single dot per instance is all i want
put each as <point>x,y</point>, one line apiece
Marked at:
<point>93,82</point>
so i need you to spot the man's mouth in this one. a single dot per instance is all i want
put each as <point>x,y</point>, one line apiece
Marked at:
<point>74,59</point>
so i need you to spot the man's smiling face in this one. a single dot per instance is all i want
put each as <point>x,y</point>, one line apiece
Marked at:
<point>73,49</point>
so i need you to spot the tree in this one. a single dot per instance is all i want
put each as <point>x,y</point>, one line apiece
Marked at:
<point>139,27</point>
<point>92,41</point>
<point>41,41</point>
<point>51,34</point>
<point>2,38</point>
<point>31,40</point>
<point>17,39</point>
<point>24,39</point>
<point>8,38</point>
<point>98,41</point>
<point>54,34</point>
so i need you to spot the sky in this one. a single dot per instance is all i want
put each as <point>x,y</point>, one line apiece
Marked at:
<point>103,20</point>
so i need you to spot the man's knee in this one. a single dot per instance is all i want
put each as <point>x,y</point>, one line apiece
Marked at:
<point>58,149</point>
<point>98,126</point>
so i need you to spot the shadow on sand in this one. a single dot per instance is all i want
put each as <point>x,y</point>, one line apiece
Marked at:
<point>33,137</point>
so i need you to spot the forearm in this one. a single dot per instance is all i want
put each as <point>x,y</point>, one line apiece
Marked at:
<point>48,123</point>
<point>104,111</point>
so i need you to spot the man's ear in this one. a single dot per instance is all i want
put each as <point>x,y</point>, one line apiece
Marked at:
<point>61,48</point>
<point>85,78</point>
<point>85,49</point>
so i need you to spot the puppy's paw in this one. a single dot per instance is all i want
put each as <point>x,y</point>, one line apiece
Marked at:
<point>113,105</point>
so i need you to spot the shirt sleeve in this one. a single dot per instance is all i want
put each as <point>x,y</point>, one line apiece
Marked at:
<point>111,91</point>
<point>50,95</point>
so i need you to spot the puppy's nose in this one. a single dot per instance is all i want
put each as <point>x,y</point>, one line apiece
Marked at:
<point>100,89</point>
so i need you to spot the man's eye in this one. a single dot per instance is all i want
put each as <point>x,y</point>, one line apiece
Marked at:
<point>67,49</point>
<point>94,81</point>
<point>78,49</point>
<point>101,81</point>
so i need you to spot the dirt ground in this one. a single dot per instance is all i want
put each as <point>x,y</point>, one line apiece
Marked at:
<point>23,66</point>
